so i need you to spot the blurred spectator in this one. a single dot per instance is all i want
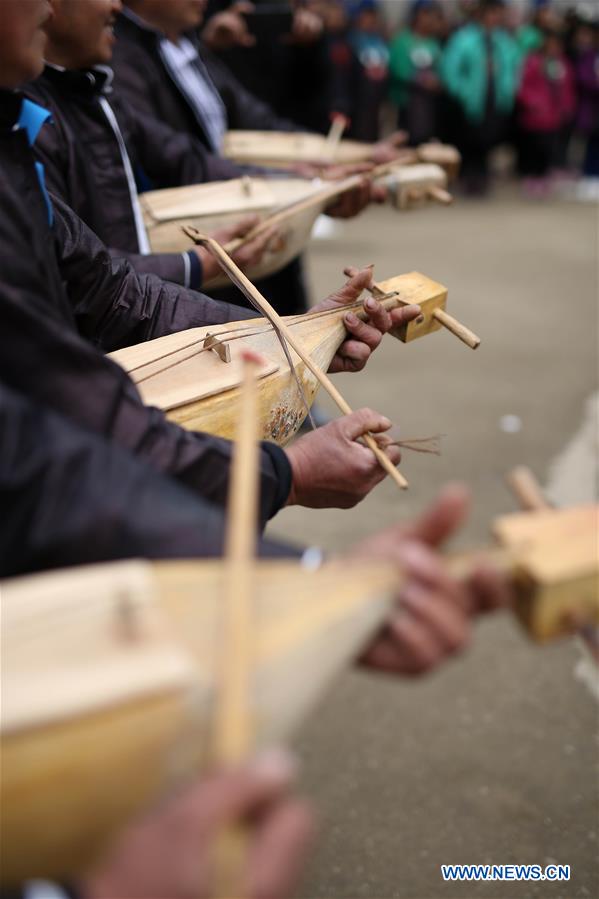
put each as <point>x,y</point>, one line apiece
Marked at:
<point>467,11</point>
<point>530,34</point>
<point>289,71</point>
<point>414,62</point>
<point>372,55</point>
<point>341,59</point>
<point>545,104</point>
<point>480,68</point>
<point>586,48</point>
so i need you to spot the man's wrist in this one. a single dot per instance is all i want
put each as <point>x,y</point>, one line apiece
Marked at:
<point>292,497</point>
<point>44,889</point>
<point>280,461</point>
<point>313,557</point>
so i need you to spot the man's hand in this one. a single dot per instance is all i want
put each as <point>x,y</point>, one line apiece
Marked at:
<point>389,149</point>
<point>246,256</point>
<point>330,469</point>
<point>433,618</point>
<point>307,27</point>
<point>229,28</point>
<point>353,354</point>
<point>329,171</point>
<point>353,201</point>
<point>170,852</point>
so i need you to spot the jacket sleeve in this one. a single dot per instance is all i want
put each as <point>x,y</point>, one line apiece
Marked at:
<point>114,306</point>
<point>180,268</point>
<point>65,178</point>
<point>173,158</point>
<point>69,497</point>
<point>43,357</point>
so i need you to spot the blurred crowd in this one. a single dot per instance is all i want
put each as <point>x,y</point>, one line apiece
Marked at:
<point>101,101</point>
<point>477,73</point>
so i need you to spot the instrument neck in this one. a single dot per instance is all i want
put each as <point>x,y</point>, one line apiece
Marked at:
<point>463,564</point>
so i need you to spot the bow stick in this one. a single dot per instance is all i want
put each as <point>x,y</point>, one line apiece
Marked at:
<point>338,126</point>
<point>233,724</point>
<point>256,298</point>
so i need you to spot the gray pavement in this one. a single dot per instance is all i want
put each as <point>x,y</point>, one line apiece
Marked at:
<point>493,758</point>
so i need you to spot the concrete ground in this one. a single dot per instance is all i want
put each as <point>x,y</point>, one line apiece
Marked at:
<point>493,758</point>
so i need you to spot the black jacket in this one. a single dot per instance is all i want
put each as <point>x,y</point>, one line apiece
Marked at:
<point>294,79</point>
<point>142,78</point>
<point>70,497</point>
<point>58,281</point>
<point>147,83</point>
<point>84,166</point>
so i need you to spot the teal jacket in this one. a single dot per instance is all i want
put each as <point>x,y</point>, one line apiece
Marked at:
<point>410,54</point>
<point>464,70</point>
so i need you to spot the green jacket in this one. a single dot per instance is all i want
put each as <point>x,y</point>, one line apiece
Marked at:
<point>464,70</point>
<point>410,53</point>
<point>528,38</point>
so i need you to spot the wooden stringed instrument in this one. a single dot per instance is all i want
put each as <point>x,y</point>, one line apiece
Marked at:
<point>194,376</point>
<point>278,149</point>
<point>112,673</point>
<point>292,205</point>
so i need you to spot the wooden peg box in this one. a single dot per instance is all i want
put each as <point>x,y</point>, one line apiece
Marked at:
<point>557,561</point>
<point>428,294</point>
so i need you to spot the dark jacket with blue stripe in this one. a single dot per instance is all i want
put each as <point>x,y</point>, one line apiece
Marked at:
<point>84,166</point>
<point>63,302</point>
<point>142,78</point>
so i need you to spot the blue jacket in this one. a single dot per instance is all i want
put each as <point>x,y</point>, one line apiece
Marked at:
<point>464,70</point>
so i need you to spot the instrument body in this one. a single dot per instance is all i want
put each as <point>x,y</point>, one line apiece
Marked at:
<point>220,204</point>
<point>277,149</point>
<point>110,674</point>
<point>293,204</point>
<point>199,391</point>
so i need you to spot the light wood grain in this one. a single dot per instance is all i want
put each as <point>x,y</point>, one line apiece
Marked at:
<point>279,149</point>
<point>432,299</point>
<point>245,285</point>
<point>73,774</point>
<point>200,392</point>
<point>291,205</point>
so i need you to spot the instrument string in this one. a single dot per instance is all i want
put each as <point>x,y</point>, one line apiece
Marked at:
<point>241,333</point>
<point>257,301</point>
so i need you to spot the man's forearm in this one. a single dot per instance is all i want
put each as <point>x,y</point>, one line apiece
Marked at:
<point>73,498</point>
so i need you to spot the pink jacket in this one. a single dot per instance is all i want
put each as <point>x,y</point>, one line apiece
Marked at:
<point>544,103</point>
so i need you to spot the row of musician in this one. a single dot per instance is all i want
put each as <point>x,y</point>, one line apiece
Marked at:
<point>111,673</point>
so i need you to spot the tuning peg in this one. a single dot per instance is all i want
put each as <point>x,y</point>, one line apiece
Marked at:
<point>526,489</point>
<point>439,195</point>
